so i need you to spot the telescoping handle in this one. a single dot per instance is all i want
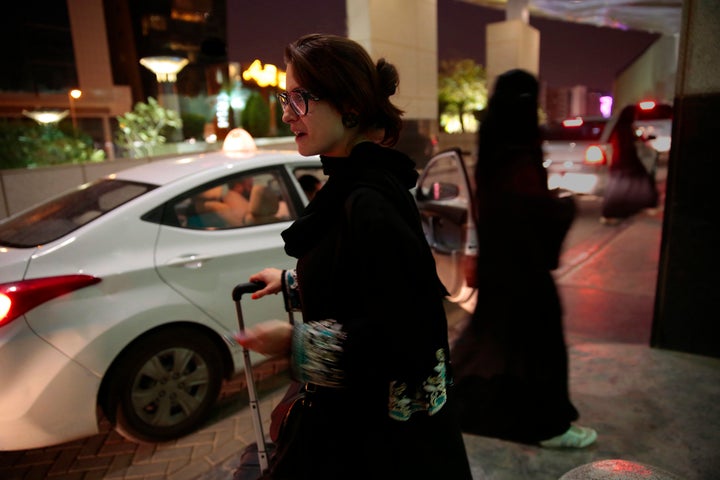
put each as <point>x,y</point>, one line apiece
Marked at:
<point>252,287</point>
<point>237,294</point>
<point>243,288</point>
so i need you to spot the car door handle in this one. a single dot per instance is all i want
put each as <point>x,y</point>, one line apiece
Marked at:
<point>192,261</point>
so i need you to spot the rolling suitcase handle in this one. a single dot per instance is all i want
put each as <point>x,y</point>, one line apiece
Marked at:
<point>237,294</point>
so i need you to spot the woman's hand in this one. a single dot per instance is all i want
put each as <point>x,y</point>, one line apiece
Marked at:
<point>272,338</point>
<point>271,277</point>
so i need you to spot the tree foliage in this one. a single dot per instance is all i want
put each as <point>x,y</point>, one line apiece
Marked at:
<point>462,88</point>
<point>146,127</point>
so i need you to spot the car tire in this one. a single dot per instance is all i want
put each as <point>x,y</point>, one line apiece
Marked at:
<point>164,385</point>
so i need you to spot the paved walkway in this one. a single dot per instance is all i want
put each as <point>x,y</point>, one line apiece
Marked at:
<point>656,407</point>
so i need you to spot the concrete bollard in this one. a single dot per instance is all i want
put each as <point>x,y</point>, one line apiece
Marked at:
<point>618,470</point>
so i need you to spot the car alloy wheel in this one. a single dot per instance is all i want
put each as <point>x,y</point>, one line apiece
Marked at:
<point>165,384</point>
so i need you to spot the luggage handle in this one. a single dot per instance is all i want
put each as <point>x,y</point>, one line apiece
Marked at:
<point>243,288</point>
<point>252,287</point>
<point>237,294</point>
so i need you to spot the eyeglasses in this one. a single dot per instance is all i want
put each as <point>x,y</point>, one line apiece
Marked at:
<point>298,101</point>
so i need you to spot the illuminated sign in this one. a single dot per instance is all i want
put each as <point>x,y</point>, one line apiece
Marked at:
<point>606,102</point>
<point>265,76</point>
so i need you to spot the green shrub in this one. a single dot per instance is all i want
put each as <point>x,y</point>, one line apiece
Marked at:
<point>27,145</point>
<point>255,118</point>
<point>193,125</point>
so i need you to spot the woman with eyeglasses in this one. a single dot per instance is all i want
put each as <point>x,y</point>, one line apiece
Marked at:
<point>372,350</point>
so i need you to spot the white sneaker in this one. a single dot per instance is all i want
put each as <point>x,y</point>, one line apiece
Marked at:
<point>575,437</point>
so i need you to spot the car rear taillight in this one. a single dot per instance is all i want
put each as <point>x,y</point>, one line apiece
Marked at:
<point>594,155</point>
<point>17,298</point>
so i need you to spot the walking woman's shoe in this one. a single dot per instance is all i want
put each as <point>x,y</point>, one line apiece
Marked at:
<point>575,437</point>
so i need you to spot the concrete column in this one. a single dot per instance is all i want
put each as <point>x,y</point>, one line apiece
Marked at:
<point>511,44</point>
<point>686,302</point>
<point>518,10</point>
<point>90,45</point>
<point>405,33</point>
<point>92,61</point>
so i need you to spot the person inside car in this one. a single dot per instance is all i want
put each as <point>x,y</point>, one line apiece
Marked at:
<point>310,185</point>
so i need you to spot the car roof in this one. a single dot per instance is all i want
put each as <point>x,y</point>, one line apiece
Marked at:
<point>162,172</point>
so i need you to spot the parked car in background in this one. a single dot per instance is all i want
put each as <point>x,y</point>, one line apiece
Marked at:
<point>654,124</point>
<point>115,297</point>
<point>570,161</point>
<point>577,150</point>
<point>576,155</point>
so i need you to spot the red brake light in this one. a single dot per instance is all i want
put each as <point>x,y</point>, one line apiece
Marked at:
<point>16,298</point>
<point>594,155</point>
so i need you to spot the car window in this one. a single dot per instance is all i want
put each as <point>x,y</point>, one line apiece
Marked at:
<point>59,216</point>
<point>306,178</point>
<point>239,201</point>
<point>583,130</point>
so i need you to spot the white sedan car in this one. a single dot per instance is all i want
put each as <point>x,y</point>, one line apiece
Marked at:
<point>116,297</point>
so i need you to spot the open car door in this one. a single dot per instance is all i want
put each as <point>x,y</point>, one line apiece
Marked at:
<point>445,198</point>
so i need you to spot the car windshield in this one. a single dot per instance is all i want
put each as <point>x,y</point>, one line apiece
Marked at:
<point>580,130</point>
<point>58,217</point>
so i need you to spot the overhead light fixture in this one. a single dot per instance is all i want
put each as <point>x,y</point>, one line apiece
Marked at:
<point>165,68</point>
<point>46,117</point>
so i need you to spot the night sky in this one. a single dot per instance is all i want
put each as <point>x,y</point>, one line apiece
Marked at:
<point>570,54</point>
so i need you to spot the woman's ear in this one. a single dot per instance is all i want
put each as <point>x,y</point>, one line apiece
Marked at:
<point>350,120</point>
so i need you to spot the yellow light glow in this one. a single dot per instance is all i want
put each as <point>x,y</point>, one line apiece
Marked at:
<point>264,76</point>
<point>75,93</point>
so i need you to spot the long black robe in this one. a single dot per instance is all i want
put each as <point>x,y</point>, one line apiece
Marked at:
<point>511,363</point>
<point>364,263</point>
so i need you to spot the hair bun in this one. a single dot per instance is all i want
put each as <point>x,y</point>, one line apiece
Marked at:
<point>388,77</point>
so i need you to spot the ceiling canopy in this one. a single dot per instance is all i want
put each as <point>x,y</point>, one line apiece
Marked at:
<point>655,16</point>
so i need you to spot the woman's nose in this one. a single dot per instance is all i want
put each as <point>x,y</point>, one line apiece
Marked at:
<point>288,115</point>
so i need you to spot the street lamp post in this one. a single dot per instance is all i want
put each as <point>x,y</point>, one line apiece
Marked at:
<point>166,69</point>
<point>73,95</point>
